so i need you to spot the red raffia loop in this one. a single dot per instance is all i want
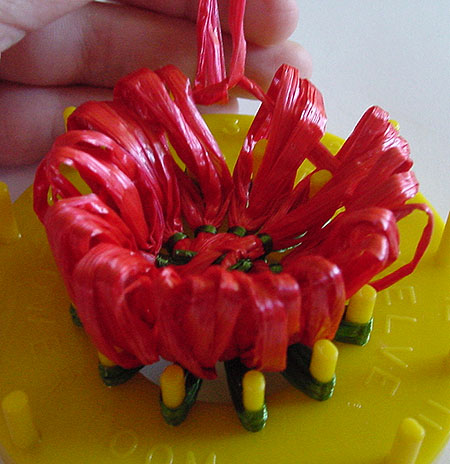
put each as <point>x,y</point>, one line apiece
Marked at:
<point>111,285</point>
<point>422,245</point>
<point>190,333</point>
<point>298,115</point>
<point>210,297</point>
<point>361,243</point>
<point>206,193</point>
<point>210,83</point>
<point>75,225</point>
<point>271,301</point>
<point>228,247</point>
<point>147,151</point>
<point>239,46</point>
<point>373,153</point>
<point>373,135</point>
<point>323,297</point>
<point>105,168</point>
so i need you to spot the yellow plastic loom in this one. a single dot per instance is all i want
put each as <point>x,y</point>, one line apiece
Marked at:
<point>391,403</point>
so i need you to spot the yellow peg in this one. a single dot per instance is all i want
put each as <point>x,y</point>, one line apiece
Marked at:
<point>66,113</point>
<point>18,418</point>
<point>318,180</point>
<point>104,360</point>
<point>190,458</point>
<point>9,231</point>
<point>323,360</point>
<point>253,390</point>
<point>407,442</point>
<point>443,252</point>
<point>172,384</point>
<point>360,306</point>
<point>395,124</point>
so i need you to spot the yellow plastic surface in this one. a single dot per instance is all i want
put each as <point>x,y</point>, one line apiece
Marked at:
<point>443,254</point>
<point>67,112</point>
<point>8,229</point>
<point>318,180</point>
<point>403,372</point>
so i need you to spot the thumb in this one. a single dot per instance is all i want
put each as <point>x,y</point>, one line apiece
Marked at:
<point>17,17</point>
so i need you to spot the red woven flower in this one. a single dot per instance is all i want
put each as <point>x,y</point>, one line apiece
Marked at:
<point>141,256</point>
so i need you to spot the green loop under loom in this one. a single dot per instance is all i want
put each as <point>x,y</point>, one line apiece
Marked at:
<point>253,421</point>
<point>353,333</point>
<point>298,375</point>
<point>116,375</point>
<point>176,237</point>
<point>162,260</point>
<point>182,256</point>
<point>237,230</point>
<point>175,416</point>
<point>74,315</point>
<point>276,268</point>
<point>243,265</point>
<point>267,242</point>
<point>210,229</point>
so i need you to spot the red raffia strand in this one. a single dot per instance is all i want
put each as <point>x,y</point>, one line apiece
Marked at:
<point>146,287</point>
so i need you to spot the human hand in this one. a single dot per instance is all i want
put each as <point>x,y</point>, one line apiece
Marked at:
<point>57,53</point>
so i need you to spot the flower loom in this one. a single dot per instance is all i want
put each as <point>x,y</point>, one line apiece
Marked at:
<point>181,262</point>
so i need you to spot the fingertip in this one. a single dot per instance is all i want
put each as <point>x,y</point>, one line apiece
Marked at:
<point>269,22</point>
<point>297,56</point>
<point>263,62</point>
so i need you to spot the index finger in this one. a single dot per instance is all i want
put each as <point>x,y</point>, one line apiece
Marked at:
<point>266,22</point>
<point>18,18</point>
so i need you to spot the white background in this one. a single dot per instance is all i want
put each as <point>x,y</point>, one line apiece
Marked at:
<point>395,54</point>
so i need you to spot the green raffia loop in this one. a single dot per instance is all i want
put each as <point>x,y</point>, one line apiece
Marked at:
<point>219,259</point>
<point>175,416</point>
<point>182,256</point>
<point>210,229</point>
<point>244,265</point>
<point>353,333</point>
<point>298,375</point>
<point>176,237</point>
<point>267,242</point>
<point>162,260</point>
<point>237,230</point>
<point>74,315</point>
<point>116,375</point>
<point>253,421</point>
<point>276,268</point>
<point>178,257</point>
